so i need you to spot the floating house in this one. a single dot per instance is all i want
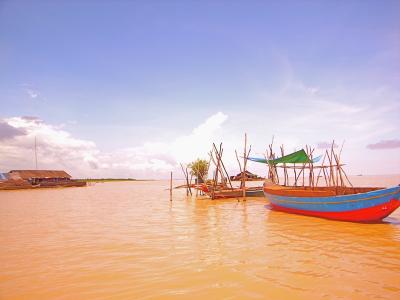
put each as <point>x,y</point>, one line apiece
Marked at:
<point>249,177</point>
<point>40,176</point>
<point>17,179</point>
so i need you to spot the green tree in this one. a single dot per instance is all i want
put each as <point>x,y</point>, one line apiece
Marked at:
<point>199,168</point>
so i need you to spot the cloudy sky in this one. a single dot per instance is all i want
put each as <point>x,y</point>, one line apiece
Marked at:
<point>132,88</point>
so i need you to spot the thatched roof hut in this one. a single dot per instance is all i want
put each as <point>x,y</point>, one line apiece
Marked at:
<point>249,177</point>
<point>38,174</point>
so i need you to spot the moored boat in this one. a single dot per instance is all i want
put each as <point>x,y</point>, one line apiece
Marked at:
<point>337,199</point>
<point>232,193</point>
<point>353,204</point>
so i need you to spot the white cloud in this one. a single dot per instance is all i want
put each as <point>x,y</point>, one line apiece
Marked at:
<point>30,90</point>
<point>33,94</point>
<point>318,120</point>
<point>57,149</point>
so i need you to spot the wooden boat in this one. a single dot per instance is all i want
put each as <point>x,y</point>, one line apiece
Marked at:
<point>232,193</point>
<point>335,200</point>
<point>350,204</point>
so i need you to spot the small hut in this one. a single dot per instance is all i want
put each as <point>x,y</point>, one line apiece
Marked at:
<point>249,177</point>
<point>40,176</point>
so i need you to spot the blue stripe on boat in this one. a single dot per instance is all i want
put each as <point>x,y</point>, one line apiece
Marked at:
<point>337,203</point>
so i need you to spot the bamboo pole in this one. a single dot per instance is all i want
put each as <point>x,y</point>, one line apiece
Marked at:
<point>325,177</point>
<point>216,163</point>
<point>244,167</point>
<point>344,173</point>
<point>223,179</point>
<point>223,166</point>
<point>213,187</point>
<point>170,188</point>
<point>190,181</point>
<point>285,181</point>
<point>36,164</point>
<point>330,168</point>
<point>274,169</point>
<point>240,165</point>
<point>323,160</point>
<point>188,189</point>
<point>216,170</point>
<point>298,175</point>
<point>333,174</point>
<point>311,176</point>
<point>339,170</point>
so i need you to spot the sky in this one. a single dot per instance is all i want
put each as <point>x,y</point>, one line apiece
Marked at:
<point>134,88</point>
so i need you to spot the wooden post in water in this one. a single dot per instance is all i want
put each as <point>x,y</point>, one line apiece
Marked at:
<point>244,167</point>
<point>188,189</point>
<point>170,188</point>
<point>190,181</point>
<point>36,154</point>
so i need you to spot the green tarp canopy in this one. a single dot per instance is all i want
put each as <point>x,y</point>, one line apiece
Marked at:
<point>293,158</point>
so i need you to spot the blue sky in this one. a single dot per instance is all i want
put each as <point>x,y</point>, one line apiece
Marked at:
<point>122,75</point>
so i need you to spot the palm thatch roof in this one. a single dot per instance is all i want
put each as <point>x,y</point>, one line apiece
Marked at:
<point>249,177</point>
<point>28,174</point>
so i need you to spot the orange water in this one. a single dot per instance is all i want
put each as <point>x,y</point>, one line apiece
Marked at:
<point>128,241</point>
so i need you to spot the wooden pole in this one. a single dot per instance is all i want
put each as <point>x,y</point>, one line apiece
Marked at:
<point>338,168</point>
<point>213,188</point>
<point>36,154</point>
<point>344,173</point>
<point>223,166</point>
<point>285,182</point>
<point>190,181</point>
<point>244,167</point>
<point>323,160</point>
<point>170,188</point>
<point>325,177</point>
<point>223,178</point>
<point>311,183</point>
<point>274,169</point>
<point>333,174</point>
<point>298,175</point>
<point>330,168</point>
<point>188,189</point>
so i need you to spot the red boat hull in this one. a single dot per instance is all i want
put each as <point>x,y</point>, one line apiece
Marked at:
<point>370,214</point>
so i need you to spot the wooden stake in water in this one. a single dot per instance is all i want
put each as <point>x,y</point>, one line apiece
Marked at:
<point>244,167</point>
<point>35,153</point>
<point>170,188</point>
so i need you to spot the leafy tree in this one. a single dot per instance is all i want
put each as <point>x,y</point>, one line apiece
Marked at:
<point>199,168</point>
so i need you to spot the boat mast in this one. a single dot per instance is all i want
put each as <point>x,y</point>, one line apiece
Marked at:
<point>36,154</point>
